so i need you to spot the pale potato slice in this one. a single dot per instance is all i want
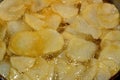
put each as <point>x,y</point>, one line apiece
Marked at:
<point>113,67</point>
<point>111,52</point>
<point>4,68</point>
<point>66,71</point>
<point>91,71</point>
<point>80,50</point>
<point>41,70</point>
<point>2,50</point>
<point>79,25</point>
<point>102,72</point>
<point>66,11</point>
<point>34,22</point>
<point>22,64</point>
<point>103,16</point>
<point>110,37</point>
<point>53,41</point>
<point>38,5</point>
<point>3,30</point>
<point>26,43</point>
<point>53,21</point>
<point>17,26</point>
<point>11,10</point>
<point>108,16</point>
<point>15,75</point>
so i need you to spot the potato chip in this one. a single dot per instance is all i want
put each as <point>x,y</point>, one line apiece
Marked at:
<point>17,26</point>
<point>40,70</point>
<point>111,52</point>
<point>27,63</point>
<point>40,4</point>
<point>80,50</point>
<point>79,25</point>
<point>15,75</point>
<point>113,67</point>
<point>11,10</point>
<point>110,37</point>
<point>98,16</point>
<point>2,50</point>
<point>66,11</point>
<point>34,22</point>
<point>53,41</point>
<point>91,70</point>
<point>102,72</point>
<point>26,43</point>
<point>4,69</point>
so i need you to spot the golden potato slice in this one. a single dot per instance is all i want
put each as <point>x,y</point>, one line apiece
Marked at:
<point>111,52</point>
<point>17,26</point>
<point>53,41</point>
<point>40,70</point>
<point>80,50</point>
<point>22,64</point>
<point>11,10</point>
<point>34,22</point>
<point>66,11</point>
<point>110,37</point>
<point>26,44</point>
<point>2,50</point>
<point>102,16</point>
<point>53,21</point>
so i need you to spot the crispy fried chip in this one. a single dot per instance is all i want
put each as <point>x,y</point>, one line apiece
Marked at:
<point>26,44</point>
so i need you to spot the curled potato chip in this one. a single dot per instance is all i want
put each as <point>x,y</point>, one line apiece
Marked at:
<point>34,22</point>
<point>11,10</point>
<point>53,41</point>
<point>17,26</point>
<point>26,44</point>
<point>103,16</point>
<point>66,11</point>
<point>27,62</point>
<point>80,50</point>
<point>2,50</point>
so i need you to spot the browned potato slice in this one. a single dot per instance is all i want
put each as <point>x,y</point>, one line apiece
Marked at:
<point>26,44</point>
